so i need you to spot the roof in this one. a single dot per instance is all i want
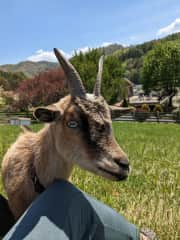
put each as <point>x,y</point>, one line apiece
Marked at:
<point>135,100</point>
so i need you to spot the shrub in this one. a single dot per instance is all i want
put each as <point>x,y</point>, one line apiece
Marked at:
<point>145,108</point>
<point>142,113</point>
<point>44,89</point>
<point>158,108</point>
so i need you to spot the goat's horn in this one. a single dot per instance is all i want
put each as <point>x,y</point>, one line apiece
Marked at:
<point>97,87</point>
<point>75,84</point>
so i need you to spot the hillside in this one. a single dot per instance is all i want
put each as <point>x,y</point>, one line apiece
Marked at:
<point>110,49</point>
<point>131,58</point>
<point>10,80</point>
<point>29,68</point>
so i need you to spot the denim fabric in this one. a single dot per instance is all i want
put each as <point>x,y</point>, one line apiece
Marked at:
<point>63,212</point>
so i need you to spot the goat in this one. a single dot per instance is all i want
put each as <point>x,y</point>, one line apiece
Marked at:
<point>78,130</point>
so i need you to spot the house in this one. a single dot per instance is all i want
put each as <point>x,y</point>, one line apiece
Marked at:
<point>138,101</point>
<point>137,89</point>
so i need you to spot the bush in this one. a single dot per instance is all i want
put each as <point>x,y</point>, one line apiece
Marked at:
<point>142,113</point>
<point>145,108</point>
<point>44,89</point>
<point>158,108</point>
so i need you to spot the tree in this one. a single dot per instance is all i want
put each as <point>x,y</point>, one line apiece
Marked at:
<point>87,65</point>
<point>10,81</point>
<point>43,89</point>
<point>49,87</point>
<point>161,69</point>
<point>113,86</point>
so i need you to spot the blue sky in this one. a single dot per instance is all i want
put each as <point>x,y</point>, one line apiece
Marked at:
<point>31,29</point>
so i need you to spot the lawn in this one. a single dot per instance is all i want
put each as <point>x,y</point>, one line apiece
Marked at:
<point>150,196</point>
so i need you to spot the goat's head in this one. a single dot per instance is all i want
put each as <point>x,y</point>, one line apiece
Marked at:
<point>82,128</point>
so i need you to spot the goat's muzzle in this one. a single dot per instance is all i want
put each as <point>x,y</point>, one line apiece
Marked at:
<point>122,163</point>
<point>117,169</point>
<point>124,167</point>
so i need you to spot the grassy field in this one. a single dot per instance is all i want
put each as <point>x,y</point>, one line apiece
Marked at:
<point>150,196</point>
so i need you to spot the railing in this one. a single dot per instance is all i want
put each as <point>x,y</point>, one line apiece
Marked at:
<point>134,116</point>
<point>160,117</point>
<point>6,116</point>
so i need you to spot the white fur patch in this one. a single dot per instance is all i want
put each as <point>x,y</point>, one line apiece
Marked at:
<point>90,96</point>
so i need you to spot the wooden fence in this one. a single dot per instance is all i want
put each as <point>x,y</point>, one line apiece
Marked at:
<point>160,117</point>
<point>6,116</point>
<point>138,116</point>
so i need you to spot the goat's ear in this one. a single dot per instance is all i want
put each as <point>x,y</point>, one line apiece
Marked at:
<point>118,111</point>
<point>47,114</point>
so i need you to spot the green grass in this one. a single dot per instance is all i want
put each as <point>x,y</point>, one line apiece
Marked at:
<point>150,196</point>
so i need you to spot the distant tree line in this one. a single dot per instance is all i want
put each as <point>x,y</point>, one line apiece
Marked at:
<point>112,83</point>
<point>43,89</point>
<point>155,64</point>
<point>133,57</point>
<point>50,86</point>
<point>10,81</point>
<point>161,69</point>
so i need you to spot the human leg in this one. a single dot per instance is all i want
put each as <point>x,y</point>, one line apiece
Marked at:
<point>64,212</point>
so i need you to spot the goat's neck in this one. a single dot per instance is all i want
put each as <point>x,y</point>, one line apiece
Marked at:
<point>49,163</point>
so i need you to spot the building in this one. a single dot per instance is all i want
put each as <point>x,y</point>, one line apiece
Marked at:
<point>138,101</point>
<point>18,121</point>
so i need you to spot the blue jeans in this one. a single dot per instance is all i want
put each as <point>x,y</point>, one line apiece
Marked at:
<point>66,213</point>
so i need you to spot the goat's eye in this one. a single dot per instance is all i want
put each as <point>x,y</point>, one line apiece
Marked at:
<point>72,124</point>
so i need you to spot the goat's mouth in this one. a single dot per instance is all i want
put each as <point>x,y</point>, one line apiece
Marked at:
<point>113,175</point>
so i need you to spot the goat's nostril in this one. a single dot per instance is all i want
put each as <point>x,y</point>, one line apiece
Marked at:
<point>125,166</point>
<point>122,163</point>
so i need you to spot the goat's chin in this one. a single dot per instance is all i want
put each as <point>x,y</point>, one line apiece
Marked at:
<point>109,171</point>
<point>112,176</point>
<point>105,172</point>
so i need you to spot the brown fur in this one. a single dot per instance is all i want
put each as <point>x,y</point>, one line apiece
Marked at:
<point>56,148</point>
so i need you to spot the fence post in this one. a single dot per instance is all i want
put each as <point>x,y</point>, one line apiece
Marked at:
<point>157,116</point>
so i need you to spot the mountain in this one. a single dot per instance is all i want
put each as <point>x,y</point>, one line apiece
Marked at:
<point>110,49</point>
<point>131,58</point>
<point>29,68</point>
<point>9,81</point>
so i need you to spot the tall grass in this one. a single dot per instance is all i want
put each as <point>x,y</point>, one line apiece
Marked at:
<point>150,196</point>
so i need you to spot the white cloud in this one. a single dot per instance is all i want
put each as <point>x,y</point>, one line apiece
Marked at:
<point>83,50</point>
<point>105,44</point>
<point>171,28</point>
<point>87,49</point>
<point>41,55</point>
